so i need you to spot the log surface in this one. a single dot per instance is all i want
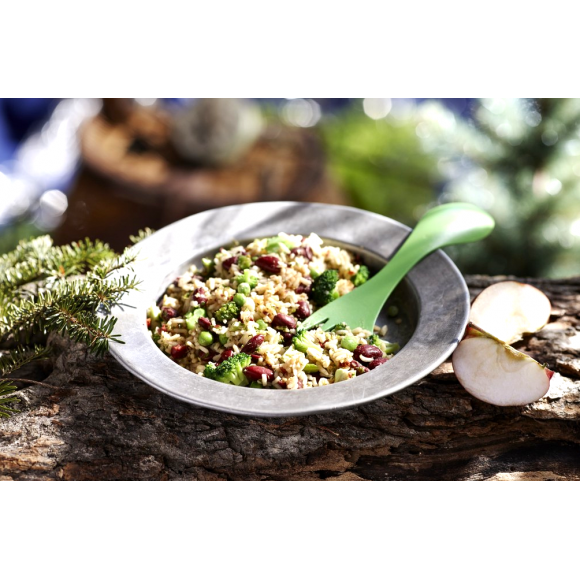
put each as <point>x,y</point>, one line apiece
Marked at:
<point>98,422</point>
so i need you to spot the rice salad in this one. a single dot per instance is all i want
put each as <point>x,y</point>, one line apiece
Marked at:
<point>237,319</point>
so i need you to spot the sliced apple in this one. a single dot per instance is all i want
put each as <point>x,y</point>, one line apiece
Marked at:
<point>508,310</point>
<point>496,373</point>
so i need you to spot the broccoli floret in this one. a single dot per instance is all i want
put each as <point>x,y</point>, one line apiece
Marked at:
<point>303,342</point>
<point>324,287</point>
<point>275,243</point>
<point>386,347</point>
<point>244,262</point>
<point>227,312</point>
<point>314,273</point>
<point>231,371</point>
<point>210,371</point>
<point>361,276</point>
<point>248,278</point>
<point>339,326</point>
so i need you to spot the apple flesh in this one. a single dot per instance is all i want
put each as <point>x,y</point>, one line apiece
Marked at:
<point>494,372</point>
<point>508,310</point>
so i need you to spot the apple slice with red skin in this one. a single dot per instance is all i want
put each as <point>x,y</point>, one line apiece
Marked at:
<point>496,373</point>
<point>509,310</point>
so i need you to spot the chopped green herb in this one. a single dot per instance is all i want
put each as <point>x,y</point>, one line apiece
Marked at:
<point>349,342</point>
<point>311,368</point>
<point>192,318</point>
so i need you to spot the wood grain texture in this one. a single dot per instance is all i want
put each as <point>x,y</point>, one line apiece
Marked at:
<point>99,422</point>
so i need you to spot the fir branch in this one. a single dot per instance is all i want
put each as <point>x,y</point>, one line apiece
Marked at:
<point>71,312</point>
<point>143,234</point>
<point>13,360</point>
<point>6,388</point>
<point>64,289</point>
<point>106,267</point>
<point>37,260</point>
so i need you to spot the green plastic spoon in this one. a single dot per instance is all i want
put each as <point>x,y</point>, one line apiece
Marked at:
<point>444,225</point>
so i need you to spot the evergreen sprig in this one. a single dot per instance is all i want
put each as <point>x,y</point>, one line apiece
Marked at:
<point>7,388</point>
<point>66,289</point>
<point>21,356</point>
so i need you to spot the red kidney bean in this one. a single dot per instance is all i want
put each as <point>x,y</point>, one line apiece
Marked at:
<point>377,362</point>
<point>269,264</point>
<point>168,313</point>
<point>199,296</point>
<point>225,355</point>
<point>368,351</point>
<point>206,357</point>
<point>284,321</point>
<point>304,288</point>
<point>288,336</point>
<point>227,264</point>
<point>256,357</point>
<point>305,251</point>
<point>303,311</point>
<point>254,373</point>
<point>253,344</point>
<point>204,322</point>
<point>176,281</point>
<point>179,351</point>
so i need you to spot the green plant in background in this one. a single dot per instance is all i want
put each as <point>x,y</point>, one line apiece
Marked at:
<point>64,289</point>
<point>381,163</point>
<point>519,159</point>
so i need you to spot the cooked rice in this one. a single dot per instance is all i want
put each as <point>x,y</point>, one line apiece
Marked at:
<point>277,293</point>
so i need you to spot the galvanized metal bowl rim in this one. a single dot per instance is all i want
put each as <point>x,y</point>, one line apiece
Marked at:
<point>441,291</point>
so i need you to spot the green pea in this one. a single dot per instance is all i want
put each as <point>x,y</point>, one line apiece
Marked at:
<point>205,338</point>
<point>262,324</point>
<point>240,299</point>
<point>311,368</point>
<point>393,311</point>
<point>223,338</point>
<point>349,342</point>
<point>244,288</point>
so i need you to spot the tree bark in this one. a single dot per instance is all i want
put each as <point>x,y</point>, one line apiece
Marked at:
<point>99,422</point>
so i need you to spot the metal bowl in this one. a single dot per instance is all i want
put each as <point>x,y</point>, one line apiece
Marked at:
<point>433,301</point>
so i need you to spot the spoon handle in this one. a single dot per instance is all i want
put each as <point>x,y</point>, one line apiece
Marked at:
<point>444,225</point>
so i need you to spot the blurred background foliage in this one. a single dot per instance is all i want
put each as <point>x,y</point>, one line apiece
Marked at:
<point>517,158</point>
<point>381,164</point>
